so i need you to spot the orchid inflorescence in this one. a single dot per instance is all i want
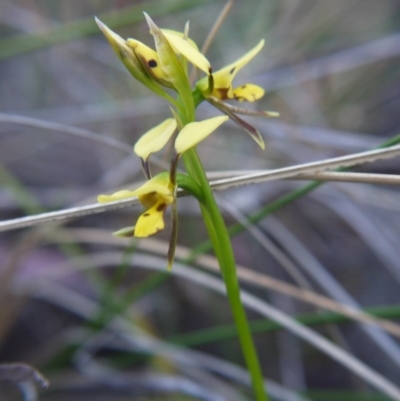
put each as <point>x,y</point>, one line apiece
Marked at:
<point>163,70</point>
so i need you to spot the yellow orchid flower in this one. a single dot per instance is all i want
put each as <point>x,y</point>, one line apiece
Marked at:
<point>218,87</point>
<point>161,67</point>
<point>155,195</point>
<point>131,61</point>
<point>222,87</point>
<point>159,192</point>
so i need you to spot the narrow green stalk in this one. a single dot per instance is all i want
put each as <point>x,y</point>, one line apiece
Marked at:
<point>218,232</point>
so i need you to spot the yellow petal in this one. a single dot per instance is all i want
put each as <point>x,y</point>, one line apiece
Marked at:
<point>248,92</point>
<point>182,46</point>
<point>124,194</point>
<point>149,193</point>
<point>151,221</point>
<point>155,139</point>
<point>194,133</point>
<point>149,59</point>
<point>223,78</point>
<point>180,35</point>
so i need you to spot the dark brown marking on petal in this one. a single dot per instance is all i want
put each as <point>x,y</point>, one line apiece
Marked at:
<point>222,93</point>
<point>232,70</point>
<point>146,215</point>
<point>161,207</point>
<point>152,63</point>
<point>243,86</point>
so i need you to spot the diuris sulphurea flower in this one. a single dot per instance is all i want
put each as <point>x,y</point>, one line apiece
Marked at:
<point>222,89</point>
<point>155,195</point>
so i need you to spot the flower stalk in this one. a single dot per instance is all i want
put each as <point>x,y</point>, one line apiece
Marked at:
<point>220,239</point>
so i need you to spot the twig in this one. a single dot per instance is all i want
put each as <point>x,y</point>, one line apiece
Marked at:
<point>302,171</point>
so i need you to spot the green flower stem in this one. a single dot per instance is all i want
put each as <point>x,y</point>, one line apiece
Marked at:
<point>220,237</point>
<point>188,184</point>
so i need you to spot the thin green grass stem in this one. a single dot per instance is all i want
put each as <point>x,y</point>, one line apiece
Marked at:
<point>228,331</point>
<point>20,44</point>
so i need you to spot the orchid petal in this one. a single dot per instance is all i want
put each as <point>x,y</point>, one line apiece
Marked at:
<point>181,35</point>
<point>248,92</point>
<point>151,221</point>
<point>155,139</point>
<point>149,60</point>
<point>195,132</point>
<point>148,193</point>
<point>184,47</point>
<point>223,78</point>
<point>124,194</point>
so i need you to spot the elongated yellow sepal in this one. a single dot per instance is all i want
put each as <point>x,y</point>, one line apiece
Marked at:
<point>155,139</point>
<point>170,64</point>
<point>194,133</point>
